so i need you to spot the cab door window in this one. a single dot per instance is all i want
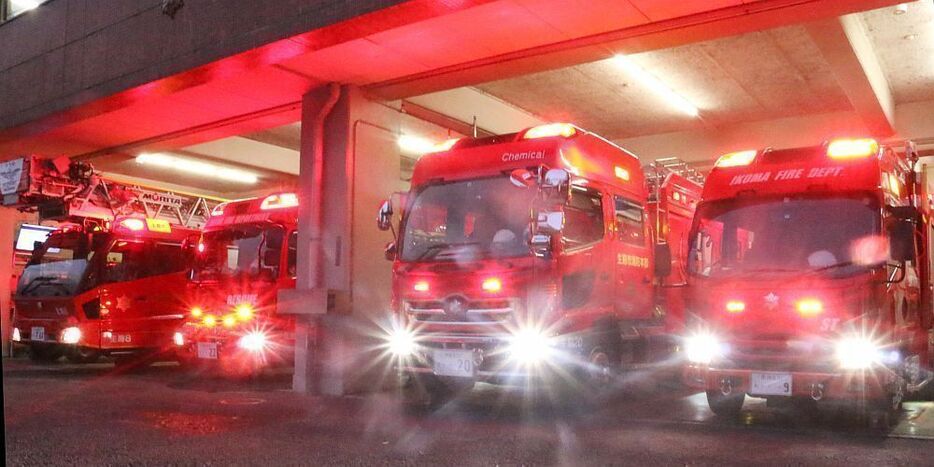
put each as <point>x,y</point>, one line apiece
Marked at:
<point>292,261</point>
<point>630,221</point>
<point>126,261</point>
<point>583,223</point>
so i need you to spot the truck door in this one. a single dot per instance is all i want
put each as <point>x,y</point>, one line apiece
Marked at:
<point>634,291</point>
<point>586,271</point>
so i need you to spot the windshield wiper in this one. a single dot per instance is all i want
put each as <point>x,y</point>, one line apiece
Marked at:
<point>832,266</point>
<point>437,247</point>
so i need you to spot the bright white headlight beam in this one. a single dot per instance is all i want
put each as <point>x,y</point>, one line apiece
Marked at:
<point>656,85</point>
<point>25,5</point>
<point>194,167</point>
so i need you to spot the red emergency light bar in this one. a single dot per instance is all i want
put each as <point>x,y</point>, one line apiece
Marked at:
<point>565,130</point>
<point>852,148</point>
<point>279,201</point>
<point>137,224</point>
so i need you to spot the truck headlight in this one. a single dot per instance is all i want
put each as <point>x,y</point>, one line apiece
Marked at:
<point>254,341</point>
<point>529,346</point>
<point>857,353</point>
<point>401,342</point>
<point>71,335</point>
<point>703,348</point>
<point>178,338</point>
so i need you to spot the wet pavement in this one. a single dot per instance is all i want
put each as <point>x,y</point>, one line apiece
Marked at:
<point>92,414</point>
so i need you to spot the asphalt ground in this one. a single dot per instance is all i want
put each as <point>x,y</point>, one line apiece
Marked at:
<point>95,415</point>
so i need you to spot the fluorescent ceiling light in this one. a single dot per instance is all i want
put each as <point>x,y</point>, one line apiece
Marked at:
<point>657,86</point>
<point>24,5</point>
<point>194,167</point>
<point>415,144</point>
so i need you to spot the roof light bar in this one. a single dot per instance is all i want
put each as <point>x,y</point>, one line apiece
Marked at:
<point>736,159</point>
<point>279,201</point>
<point>195,167</point>
<point>621,173</point>
<point>133,224</point>
<point>656,85</point>
<point>849,148</point>
<point>565,130</point>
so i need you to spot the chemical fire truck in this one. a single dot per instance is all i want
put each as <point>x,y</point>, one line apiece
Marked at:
<point>529,258</point>
<point>810,277</point>
<point>105,280</point>
<point>247,253</point>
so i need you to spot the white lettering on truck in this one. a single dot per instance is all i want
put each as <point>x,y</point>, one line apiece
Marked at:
<point>522,156</point>
<point>787,174</point>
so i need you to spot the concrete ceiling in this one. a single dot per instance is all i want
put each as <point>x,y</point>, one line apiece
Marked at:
<point>757,76</point>
<point>905,45</point>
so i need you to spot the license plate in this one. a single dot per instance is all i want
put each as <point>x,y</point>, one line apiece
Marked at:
<point>458,363</point>
<point>207,350</point>
<point>770,384</point>
<point>37,333</point>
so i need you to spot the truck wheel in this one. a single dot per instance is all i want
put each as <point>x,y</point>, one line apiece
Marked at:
<point>727,406</point>
<point>82,355</point>
<point>44,353</point>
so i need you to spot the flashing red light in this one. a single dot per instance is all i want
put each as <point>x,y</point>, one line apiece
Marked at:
<point>735,307</point>
<point>736,159</point>
<point>201,247</point>
<point>852,148</point>
<point>279,201</point>
<point>492,285</point>
<point>444,145</point>
<point>133,224</point>
<point>809,307</point>
<point>421,286</point>
<point>565,130</point>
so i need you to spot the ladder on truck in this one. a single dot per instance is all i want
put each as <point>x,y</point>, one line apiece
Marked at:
<point>659,170</point>
<point>64,190</point>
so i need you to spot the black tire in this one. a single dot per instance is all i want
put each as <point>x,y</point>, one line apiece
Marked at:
<point>45,353</point>
<point>82,355</point>
<point>725,406</point>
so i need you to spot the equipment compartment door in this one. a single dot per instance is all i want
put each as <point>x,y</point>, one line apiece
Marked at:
<point>634,292</point>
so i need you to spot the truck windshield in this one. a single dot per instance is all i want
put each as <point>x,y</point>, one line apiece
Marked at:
<point>240,251</point>
<point>836,236</point>
<point>466,220</point>
<point>57,267</point>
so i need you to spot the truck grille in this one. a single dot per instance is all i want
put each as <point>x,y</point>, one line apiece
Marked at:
<point>460,311</point>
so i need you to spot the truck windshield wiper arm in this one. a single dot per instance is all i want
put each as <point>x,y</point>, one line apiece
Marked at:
<point>36,282</point>
<point>832,266</point>
<point>437,247</point>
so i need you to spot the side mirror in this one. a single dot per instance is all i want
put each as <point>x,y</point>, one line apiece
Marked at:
<point>558,181</point>
<point>522,178</point>
<point>384,216</point>
<point>549,222</point>
<point>541,246</point>
<point>902,240</point>
<point>390,251</point>
<point>662,260</point>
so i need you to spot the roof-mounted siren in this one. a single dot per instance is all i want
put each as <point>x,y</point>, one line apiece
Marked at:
<point>736,159</point>
<point>550,130</point>
<point>852,148</point>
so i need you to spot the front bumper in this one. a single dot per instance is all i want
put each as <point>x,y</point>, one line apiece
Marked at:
<point>491,360</point>
<point>818,385</point>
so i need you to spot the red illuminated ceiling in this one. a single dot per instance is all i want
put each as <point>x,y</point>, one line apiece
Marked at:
<point>409,49</point>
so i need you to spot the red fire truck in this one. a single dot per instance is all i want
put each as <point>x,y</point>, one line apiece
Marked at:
<point>810,276</point>
<point>89,291</point>
<point>246,254</point>
<point>105,281</point>
<point>530,257</point>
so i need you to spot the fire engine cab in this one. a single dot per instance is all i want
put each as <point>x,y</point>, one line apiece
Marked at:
<point>528,257</point>
<point>247,253</point>
<point>108,280</point>
<point>810,278</point>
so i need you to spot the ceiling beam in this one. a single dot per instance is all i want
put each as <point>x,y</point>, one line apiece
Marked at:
<point>707,25</point>
<point>846,46</point>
